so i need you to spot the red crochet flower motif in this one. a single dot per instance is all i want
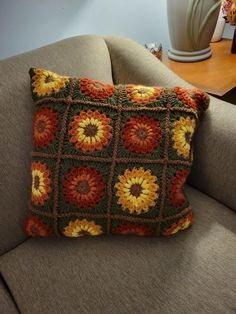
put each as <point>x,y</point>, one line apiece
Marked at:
<point>96,89</point>
<point>202,99</point>
<point>35,227</point>
<point>182,224</point>
<point>176,194</point>
<point>44,126</point>
<point>83,187</point>
<point>142,134</point>
<point>131,228</point>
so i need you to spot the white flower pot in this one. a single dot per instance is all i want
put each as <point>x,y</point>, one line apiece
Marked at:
<point>191,26</point>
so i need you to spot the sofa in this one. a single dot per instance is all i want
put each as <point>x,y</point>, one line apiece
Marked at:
<point>191,272</point>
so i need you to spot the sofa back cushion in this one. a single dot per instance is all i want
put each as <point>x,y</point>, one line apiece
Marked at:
<point>79,56</point>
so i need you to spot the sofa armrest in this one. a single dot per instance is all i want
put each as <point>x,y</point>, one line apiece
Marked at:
<point>132,63</point>
<point>214,170</point>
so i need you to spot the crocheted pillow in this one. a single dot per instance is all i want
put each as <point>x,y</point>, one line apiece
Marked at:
<point>110,159</point>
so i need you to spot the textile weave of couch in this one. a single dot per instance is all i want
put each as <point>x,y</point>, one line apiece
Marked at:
<point>192,272</point>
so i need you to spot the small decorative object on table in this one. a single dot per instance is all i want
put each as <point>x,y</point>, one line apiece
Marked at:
<point>229,11</point>
<point>155,49</point>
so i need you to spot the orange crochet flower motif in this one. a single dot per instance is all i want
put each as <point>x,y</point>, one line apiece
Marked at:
<point>140,94</point>
<point>193,98</point>
<point>131,228</point>
<point>90,131</point>
<point>83,187</point>
<point>182,224</point>
<point>142,134</point>
<point>41,183</point>
<point>202,99</point>
<point>34,227</point>
<point>96,89</point>
<point>44,126</point>
<point>176,194</point>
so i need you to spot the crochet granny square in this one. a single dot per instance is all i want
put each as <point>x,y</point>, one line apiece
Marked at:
<point>110,159</point>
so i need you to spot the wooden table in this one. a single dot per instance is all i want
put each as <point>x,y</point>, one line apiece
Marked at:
<point>216,75</point>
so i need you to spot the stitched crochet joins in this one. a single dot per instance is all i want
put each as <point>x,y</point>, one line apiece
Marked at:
<point>110,159</point>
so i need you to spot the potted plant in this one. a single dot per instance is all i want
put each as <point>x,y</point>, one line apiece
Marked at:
<point>191,26</point>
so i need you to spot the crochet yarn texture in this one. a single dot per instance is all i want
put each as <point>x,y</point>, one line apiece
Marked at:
<point>110,159</point>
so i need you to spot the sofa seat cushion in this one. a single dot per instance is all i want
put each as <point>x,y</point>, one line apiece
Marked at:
<point>193,272</point>
<point>7,304</point>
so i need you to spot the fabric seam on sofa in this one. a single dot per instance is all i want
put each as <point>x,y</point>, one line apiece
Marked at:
<point>9,292</point>
<point>13,248</point>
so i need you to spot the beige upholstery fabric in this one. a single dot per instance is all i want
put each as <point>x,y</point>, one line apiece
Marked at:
<point>7,305</point>
<point>193,272</point>
<point>84,56</point>
<point>215,157</point>
<point>132,63</point>
<point>214,167</point>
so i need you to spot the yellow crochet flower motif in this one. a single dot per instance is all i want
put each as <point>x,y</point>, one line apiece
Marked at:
<point>143,94</point>
<point>79,228</point>
<point>90,131</point>
<point>41,183</point>
<point>47,82</point>
<point>182,135</point>
<point>137,190</point>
